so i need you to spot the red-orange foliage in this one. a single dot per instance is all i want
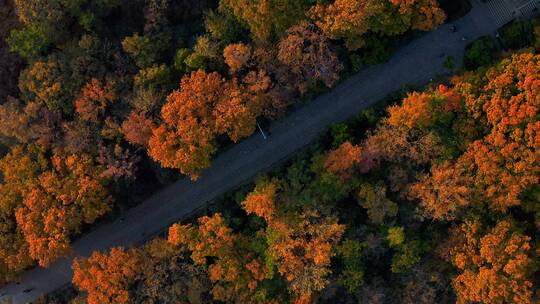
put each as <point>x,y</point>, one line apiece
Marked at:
<point>206,106</point>
<point>14,122</point>
<point>236,112</point>
<point>352,19</point>
<point>137,128</point>
<point>496,267</point>
<point>301,249</point>
<point>29,123</point>
<point>507,160</point>
<point>18,170</point>
<point>504,163</point>
<point>237,56</point>
<point>235,271</point>
<point>444,192</point>
<point>107,277</point>
<point>185,139</point>
<point>345,19</point>
<point>453,100</point>
<point>261,201</point>
<point>422,14</point>
<point>94,99</point>
<point>344,160</point>
<point>44,202</point>
<point>60,201</point>
<point>403,146</point>
<point>414,112</point>
<point>308,54</point>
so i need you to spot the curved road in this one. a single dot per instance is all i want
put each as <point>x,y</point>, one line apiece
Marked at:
<point>414,64</point>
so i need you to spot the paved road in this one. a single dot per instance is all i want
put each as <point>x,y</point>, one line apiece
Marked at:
<point>414,64</point>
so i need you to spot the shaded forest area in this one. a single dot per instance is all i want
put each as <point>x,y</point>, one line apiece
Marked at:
<point>428,197</point>
<point>104,101</point>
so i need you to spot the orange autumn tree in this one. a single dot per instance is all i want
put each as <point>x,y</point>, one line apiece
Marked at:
<point>415,111</point>
<point>107,277</point>
<point>237,111</point>
<point>137,128</point>
<point>507,160</point>
<point>420,14</point>
<point>206,106</point>
<point>27,123</point>
<point>344,160</point>
<point>46,202</point>
<point>261,201</point>
<point>495,267</point>
<point>444,192</point>
<point>166,276</point>
<point>237,56</point>
<point>407,137</point>
<point>308,54</point>
<point>504,163</point>
<point>352,19</point>
<point>94,99</point>
<point>302,248</point>
<point>19,169</point>
<point>185,139</point>
<point>64,198</point>
<point>402,146</point>
<point>345,19</point>
<point>236,270</point>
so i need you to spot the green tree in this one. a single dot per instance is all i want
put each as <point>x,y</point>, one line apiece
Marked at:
<point>396,236</point>
<point>46,82</point>
<point>352,274</point>
<point>450,62</point>
<point>207,54</point>
<point>407,254</point>
<point>266,19</point>
<point>518,34</point>
<point>373,198</point>
<point>180,58</point>
<point>224,27</point>
<point>145,50</point>
<point>157,78</point>
<point>29,42</point>
<point>480,53</point>
<point>88,12</point>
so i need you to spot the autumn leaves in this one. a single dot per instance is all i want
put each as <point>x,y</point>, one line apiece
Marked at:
<point>205,107</point>
<point>449,176</point>
<point>46,202</point>
<point>482,175</point>
<point>264,81</point>
<point>351,20</point>
<point>297,245</point>
<point>502,164</point>
<point>208,105</point>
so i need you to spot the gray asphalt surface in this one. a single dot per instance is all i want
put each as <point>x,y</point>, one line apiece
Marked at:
<point>414,64</point>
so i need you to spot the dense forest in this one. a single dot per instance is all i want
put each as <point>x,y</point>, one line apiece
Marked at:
<point>105,100</point>
<point>433,199</point>
<point>432,196</point>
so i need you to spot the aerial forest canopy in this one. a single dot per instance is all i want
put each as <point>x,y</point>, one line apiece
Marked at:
<point>431,197</point>
<point>99,97</point>
<point>436,202</point>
